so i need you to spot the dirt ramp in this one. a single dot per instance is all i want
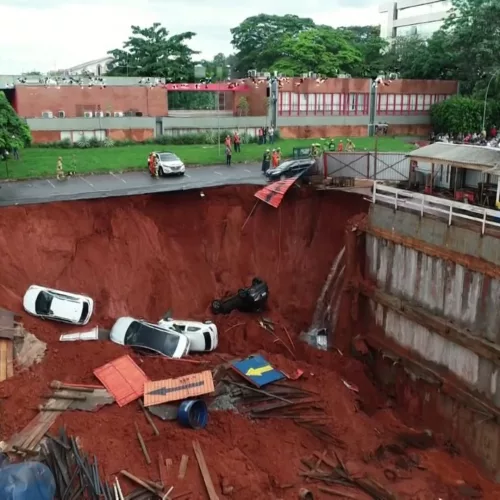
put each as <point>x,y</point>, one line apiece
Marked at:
<point>144,255</point>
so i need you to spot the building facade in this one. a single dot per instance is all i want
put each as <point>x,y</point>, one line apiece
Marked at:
<point>413,17</point>
<point>124,109</point>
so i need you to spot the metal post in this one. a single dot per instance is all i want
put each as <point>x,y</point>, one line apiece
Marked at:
<point>372,109</point>
<point>218,116</point>
<point>486,99</point>
<point>497,200</point>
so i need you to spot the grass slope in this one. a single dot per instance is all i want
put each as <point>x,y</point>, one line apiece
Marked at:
<point>39,162</point>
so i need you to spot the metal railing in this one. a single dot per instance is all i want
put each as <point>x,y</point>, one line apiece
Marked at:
<point>432,205</point>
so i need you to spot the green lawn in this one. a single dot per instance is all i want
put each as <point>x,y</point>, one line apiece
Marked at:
<point>40,162</point>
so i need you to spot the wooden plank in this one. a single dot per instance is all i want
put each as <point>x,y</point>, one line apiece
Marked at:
<point>183,466</point>
<point>31,435</point>
<point>10,358</point>
<point>209,485</point>
<point>3,361</point>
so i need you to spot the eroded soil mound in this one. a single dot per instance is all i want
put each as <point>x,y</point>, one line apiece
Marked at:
<point>141,256</point>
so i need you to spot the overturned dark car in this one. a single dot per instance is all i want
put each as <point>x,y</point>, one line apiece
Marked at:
<point>251,299</point>
<point>291,168</point>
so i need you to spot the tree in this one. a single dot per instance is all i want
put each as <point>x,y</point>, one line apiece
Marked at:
<point>14,133</point>
<point>323,50</point>
<point>473,29</point>
<point>242,106</point>
<point>151,52</point>
<point>257,39</point>
<point>367,40</point>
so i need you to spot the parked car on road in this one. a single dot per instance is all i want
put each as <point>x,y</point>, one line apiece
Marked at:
<point>291,168</point>
<point>203,337</point>
<point>251,299</point>
<point>169,164</point>
<point>48,303</point>
<point>140,334</point>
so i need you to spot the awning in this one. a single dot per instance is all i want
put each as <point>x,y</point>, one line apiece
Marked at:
<point>482,158</point>
<point>273,193</point>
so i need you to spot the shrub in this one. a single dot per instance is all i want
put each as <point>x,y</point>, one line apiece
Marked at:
<point>208,137</point>
<point>83,143</point>
<point>462,115</point>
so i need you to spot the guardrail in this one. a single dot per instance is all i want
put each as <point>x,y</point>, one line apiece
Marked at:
<point>423,203</point>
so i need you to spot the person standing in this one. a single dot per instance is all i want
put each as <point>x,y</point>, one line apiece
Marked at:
<point>59,169</point>
<point>266,161</point>
<point>15,151</point>
<point>227,141</point>
<point>265,135</point>
<point>340,149</point>
<point>237,142</point>
<point>229,154</point>
<point>271,135</point>
<point>278,152</point>
<point>275,158</point>
<point>261,135</point>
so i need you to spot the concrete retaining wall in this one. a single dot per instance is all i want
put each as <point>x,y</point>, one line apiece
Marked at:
<point>441,313</point>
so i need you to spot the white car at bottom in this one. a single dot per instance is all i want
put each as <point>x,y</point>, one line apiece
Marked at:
<point>48,303</point>
<point>203,336</point>
<point>140,334</point>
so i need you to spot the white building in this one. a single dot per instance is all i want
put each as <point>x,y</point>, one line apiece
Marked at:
<point>413,17</point>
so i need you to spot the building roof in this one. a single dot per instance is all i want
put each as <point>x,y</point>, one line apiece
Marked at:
<point>481,158</point>
<point>90,63</point>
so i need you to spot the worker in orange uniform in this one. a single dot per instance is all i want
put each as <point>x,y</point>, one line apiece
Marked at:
<point>275,158</point>
<point>237,142</point>
<point>278,151</point>
<point>227,142</point>
<point>59,169</point>
<point>340,149</point>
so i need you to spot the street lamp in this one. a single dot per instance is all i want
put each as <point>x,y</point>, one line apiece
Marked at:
<point>486,98</point>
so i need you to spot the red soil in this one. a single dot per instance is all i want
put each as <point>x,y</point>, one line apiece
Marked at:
<point>141,256</point>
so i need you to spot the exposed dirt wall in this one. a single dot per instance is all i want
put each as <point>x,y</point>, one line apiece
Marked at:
<point>144,255</point>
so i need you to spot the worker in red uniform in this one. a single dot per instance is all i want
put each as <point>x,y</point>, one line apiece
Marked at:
<point>237,142</point>
<point>227,142</point>
<point>341,147</point>
<point>275,158</point>
<point>493,132</point>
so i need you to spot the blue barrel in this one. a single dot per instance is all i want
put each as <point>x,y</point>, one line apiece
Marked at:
<point>193,413</point>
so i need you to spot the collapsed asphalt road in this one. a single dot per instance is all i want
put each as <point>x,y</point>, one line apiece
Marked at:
<point>125,184</point>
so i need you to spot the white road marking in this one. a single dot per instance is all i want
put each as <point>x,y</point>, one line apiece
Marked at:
<point>249,171</point>
<point>218,173</point>
<point>85,180</point>
<point>187,175</point>
<point>119,178</point>
<point>51,184</point>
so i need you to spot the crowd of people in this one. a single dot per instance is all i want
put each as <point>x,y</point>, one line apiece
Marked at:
<point>483,138</point>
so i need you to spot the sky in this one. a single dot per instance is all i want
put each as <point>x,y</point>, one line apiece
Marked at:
<point>45,35</point>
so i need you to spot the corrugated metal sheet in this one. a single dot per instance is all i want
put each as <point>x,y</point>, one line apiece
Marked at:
<point>383,166</point>
<point>175,389</point>
<point>469,299</point>
<point>462,155</point>
<point>123,379</point>
<point>430,346</point>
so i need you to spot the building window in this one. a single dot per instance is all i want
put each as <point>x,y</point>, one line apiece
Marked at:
<point>423,30</point>
<point>407,104</point>
<point>292,104</point>
<point>422,10</point>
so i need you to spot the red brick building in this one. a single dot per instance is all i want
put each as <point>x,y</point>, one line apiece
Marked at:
<point>124,109</point>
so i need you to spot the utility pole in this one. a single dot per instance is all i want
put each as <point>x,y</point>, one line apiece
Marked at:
<point>372,107</point>
<point>273,95</point>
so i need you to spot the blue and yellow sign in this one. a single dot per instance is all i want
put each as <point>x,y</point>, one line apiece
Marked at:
<point>257,370</point>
